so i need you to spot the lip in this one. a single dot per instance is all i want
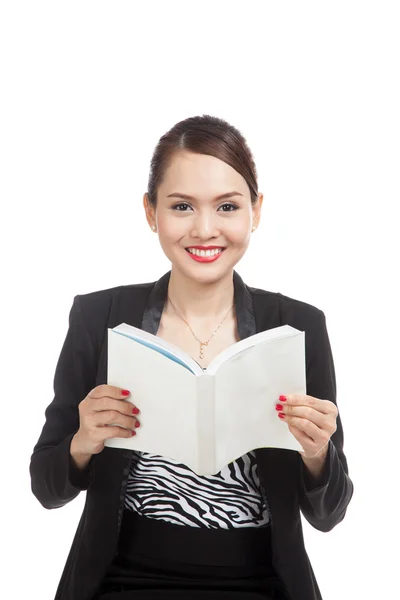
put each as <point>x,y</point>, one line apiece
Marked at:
<point>205,247</point>
<point>205,259</point>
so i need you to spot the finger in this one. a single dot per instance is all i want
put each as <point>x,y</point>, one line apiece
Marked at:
<point>125,407</point>
<point>108,432</point>
<point>107,390</point>
<point>313,431</point>
<point>324,406</point>
<point>113,417</point>
<point>306,412</point>
<point>302,437</point>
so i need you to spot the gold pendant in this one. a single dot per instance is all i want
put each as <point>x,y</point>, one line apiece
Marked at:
<point>201,349</point>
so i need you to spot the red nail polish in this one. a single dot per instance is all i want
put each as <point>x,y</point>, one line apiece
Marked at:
<point>135,411</point>
<point>281,415</point>
<point>133,432</point>
<point>137,424</point>
<point>282,398</point>
<point>279,407</point>
<point>125,392</point>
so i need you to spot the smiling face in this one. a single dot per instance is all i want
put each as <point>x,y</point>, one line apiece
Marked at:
<point>200,217</point>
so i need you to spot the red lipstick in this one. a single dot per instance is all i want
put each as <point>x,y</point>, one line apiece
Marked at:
<point>205,258</point>
<point>205,247</point>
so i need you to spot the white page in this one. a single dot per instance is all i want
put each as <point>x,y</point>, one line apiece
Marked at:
<point>159,345</point>
<point>245,413</point>
<point>262,336</point>
<point>163,390</point>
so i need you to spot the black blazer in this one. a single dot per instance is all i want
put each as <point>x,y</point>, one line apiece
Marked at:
<point>82,365</point>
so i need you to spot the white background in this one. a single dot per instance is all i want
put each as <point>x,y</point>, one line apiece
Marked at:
<point>88,88</point>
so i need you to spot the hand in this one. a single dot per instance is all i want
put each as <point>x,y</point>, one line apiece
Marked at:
<point>103,405</point>
<point>312,422</point>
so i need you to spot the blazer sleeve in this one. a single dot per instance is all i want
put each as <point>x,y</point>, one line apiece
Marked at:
<point>324,502</point>
<point>54,478</point>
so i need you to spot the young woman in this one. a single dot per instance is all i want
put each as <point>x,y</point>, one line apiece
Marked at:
<point>152,528</point>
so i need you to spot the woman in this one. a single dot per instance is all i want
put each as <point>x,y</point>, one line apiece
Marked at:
<point>152,528</point>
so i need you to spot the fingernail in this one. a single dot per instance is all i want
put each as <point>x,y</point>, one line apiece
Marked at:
<point>137,424</point>
<point>279,407</point>
<point>125,392</point>
<point>135,411</point>
<point>282,398</point>
<point>133,432</point>
<point>281,415</point>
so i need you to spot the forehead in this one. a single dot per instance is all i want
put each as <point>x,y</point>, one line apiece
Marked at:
<point>194,173</point>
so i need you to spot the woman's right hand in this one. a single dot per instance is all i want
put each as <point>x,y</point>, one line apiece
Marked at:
<point>103,405</point>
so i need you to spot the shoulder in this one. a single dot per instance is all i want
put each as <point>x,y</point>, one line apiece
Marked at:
<point>286,310</point>
<point>109,307</point>
<point>285,303</point>
<point>274,308</point>
<point>108,295</point>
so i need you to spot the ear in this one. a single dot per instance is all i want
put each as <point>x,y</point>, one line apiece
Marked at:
<point>257,210</point>
<point>150,214</point>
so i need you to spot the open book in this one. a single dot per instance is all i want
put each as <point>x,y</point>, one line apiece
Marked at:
<point>208,418</point>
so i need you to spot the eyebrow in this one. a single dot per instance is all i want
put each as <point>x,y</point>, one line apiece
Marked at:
<point>186,197</point>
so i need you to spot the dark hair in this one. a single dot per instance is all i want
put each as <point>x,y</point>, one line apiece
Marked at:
<point>203,135</point>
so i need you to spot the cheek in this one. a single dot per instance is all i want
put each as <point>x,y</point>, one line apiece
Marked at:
<point>239,232</point>
<point>171,236</point>
<point>171,230</point>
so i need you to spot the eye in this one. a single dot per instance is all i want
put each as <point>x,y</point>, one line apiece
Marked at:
<point>180,204</point>
<point>230,204</point>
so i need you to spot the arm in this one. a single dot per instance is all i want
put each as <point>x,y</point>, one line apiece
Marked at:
<point>325,488</point>
<point>56,477</point>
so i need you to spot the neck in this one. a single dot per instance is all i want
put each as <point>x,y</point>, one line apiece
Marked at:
<point>200,302</point>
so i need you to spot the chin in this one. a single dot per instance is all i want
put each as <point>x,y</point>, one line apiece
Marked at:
<point>206,273</point>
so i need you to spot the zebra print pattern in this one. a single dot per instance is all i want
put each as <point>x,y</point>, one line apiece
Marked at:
<point>161,488</point>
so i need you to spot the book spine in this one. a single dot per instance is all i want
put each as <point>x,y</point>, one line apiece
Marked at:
<point>205,443</point>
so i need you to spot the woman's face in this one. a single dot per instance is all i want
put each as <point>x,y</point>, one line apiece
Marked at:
<point>203,220</point>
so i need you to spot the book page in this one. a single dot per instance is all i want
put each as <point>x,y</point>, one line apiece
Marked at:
<point>262,336</point>
<point>160,345</point>
<point>164,392</point>
<point>247,388</point>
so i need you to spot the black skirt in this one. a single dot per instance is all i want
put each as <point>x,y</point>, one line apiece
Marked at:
<point>160,560</point>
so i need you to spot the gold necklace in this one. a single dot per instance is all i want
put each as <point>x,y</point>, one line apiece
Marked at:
<point>202,344</point>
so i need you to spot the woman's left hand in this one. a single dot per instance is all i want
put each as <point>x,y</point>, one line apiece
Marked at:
<point>312,422</point>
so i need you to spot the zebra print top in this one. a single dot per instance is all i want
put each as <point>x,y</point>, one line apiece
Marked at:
<point>161,488</point>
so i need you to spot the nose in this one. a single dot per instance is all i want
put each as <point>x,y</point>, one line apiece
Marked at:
<point>205,226</point>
